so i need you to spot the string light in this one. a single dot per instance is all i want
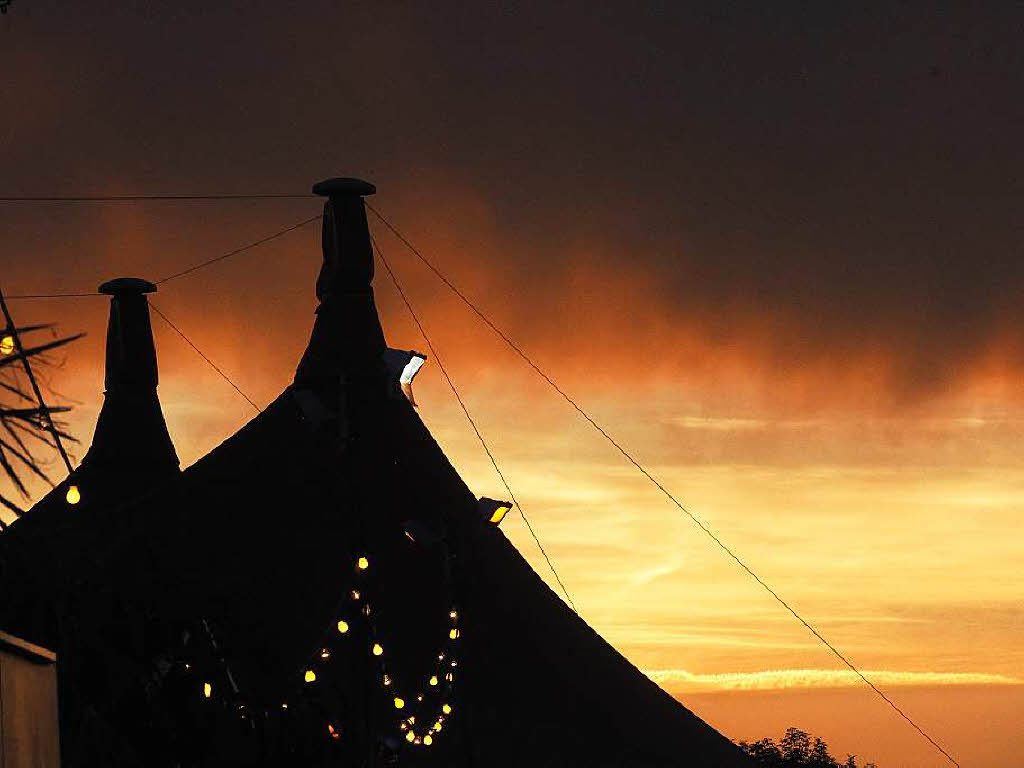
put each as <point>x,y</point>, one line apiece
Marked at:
<point>449,677</point>
<point>446,708</point>
<point>73,495</point>
<point>399,702</point>
<point>387,679</point>
<point>410,736</point>
<point>342,627</point>
<point>324,653</point>
<point>453,615</point>
<point>6,345</point>
<point>207,690</point>
<point>310,676</point>
<point>334,733</point>
<point>428,740</point>
<point>363,563</point>
<point>355,594</point>
<point>433,680</point>
<point>284,705</point>
<point>378,649</point>
<point>454,633</point>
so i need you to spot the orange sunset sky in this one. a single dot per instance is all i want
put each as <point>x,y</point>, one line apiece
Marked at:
<point>775,252</point>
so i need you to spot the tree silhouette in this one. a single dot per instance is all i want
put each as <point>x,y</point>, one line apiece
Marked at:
<point>27,426</point>
<point>796,750</point>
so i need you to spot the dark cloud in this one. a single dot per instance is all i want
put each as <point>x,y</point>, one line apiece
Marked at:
<point>814,183</point>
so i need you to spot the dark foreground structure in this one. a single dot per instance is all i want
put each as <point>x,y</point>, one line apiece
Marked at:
<point>321,589</point>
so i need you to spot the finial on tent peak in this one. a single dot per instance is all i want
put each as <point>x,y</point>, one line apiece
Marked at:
<point>120,286</point>
<point>343,186</point>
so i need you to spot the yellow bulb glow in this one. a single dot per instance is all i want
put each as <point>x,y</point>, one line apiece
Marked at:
<point>428,740</point>
<point>437,727</point>
<point>378,649</point>
<point>499,514</point>
<point>411,720</point>
<point>453,634</point>
<point>399,702</point>
<point>363,563</point>
<point>207,690</point>
<point>343,627</point>
<point>403,725</point>
<point>446,708</point>
<point>449,677</point>
<point>6,345</point>
<point>410,736</point>
<point>433,679</point>
<point>73,495</point>
<point>310,676</point>
<point>355,594</point>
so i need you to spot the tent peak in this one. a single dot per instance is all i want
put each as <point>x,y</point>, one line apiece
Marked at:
<point>122,286</point>
<point>343,186</point>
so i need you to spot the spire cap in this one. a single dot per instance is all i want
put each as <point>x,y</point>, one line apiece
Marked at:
<point>121,286</point>
<point>343,186</point>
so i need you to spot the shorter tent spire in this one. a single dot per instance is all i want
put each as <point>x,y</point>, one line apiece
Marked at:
<point>131,431</point>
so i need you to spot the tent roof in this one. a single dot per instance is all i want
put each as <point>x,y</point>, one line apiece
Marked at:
<point>257,541</point>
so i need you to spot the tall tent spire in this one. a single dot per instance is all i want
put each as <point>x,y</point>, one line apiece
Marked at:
<point>347,342</point>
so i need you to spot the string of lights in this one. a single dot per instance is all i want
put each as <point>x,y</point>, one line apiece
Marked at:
<point>422,710</point>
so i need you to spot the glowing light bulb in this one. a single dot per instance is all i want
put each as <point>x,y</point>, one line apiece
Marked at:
<point>449,677</point>
<point>355,594</point>
<point>342,627</point>
<point>310,676</point>
<point>428,740</point>
<point>6,345</point>
<point>410,736</point>
<point>454,633</point>
<point>362,564</point>
<point>446,708</point>
<point>433,680</point>
<point>453,614</point>
<point>378,649</point>
<point>403,725</point>
<point>330,729</point>
<point>207,690</point>
<point>73,495</point>
<point>418,740</point>
<point>411,720</point>
<point>399,702</point>
<point>284,705</point>
<point>437,727</point>
<point>387,679</point>
<point>324,653</point>
<point>419,697</point>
